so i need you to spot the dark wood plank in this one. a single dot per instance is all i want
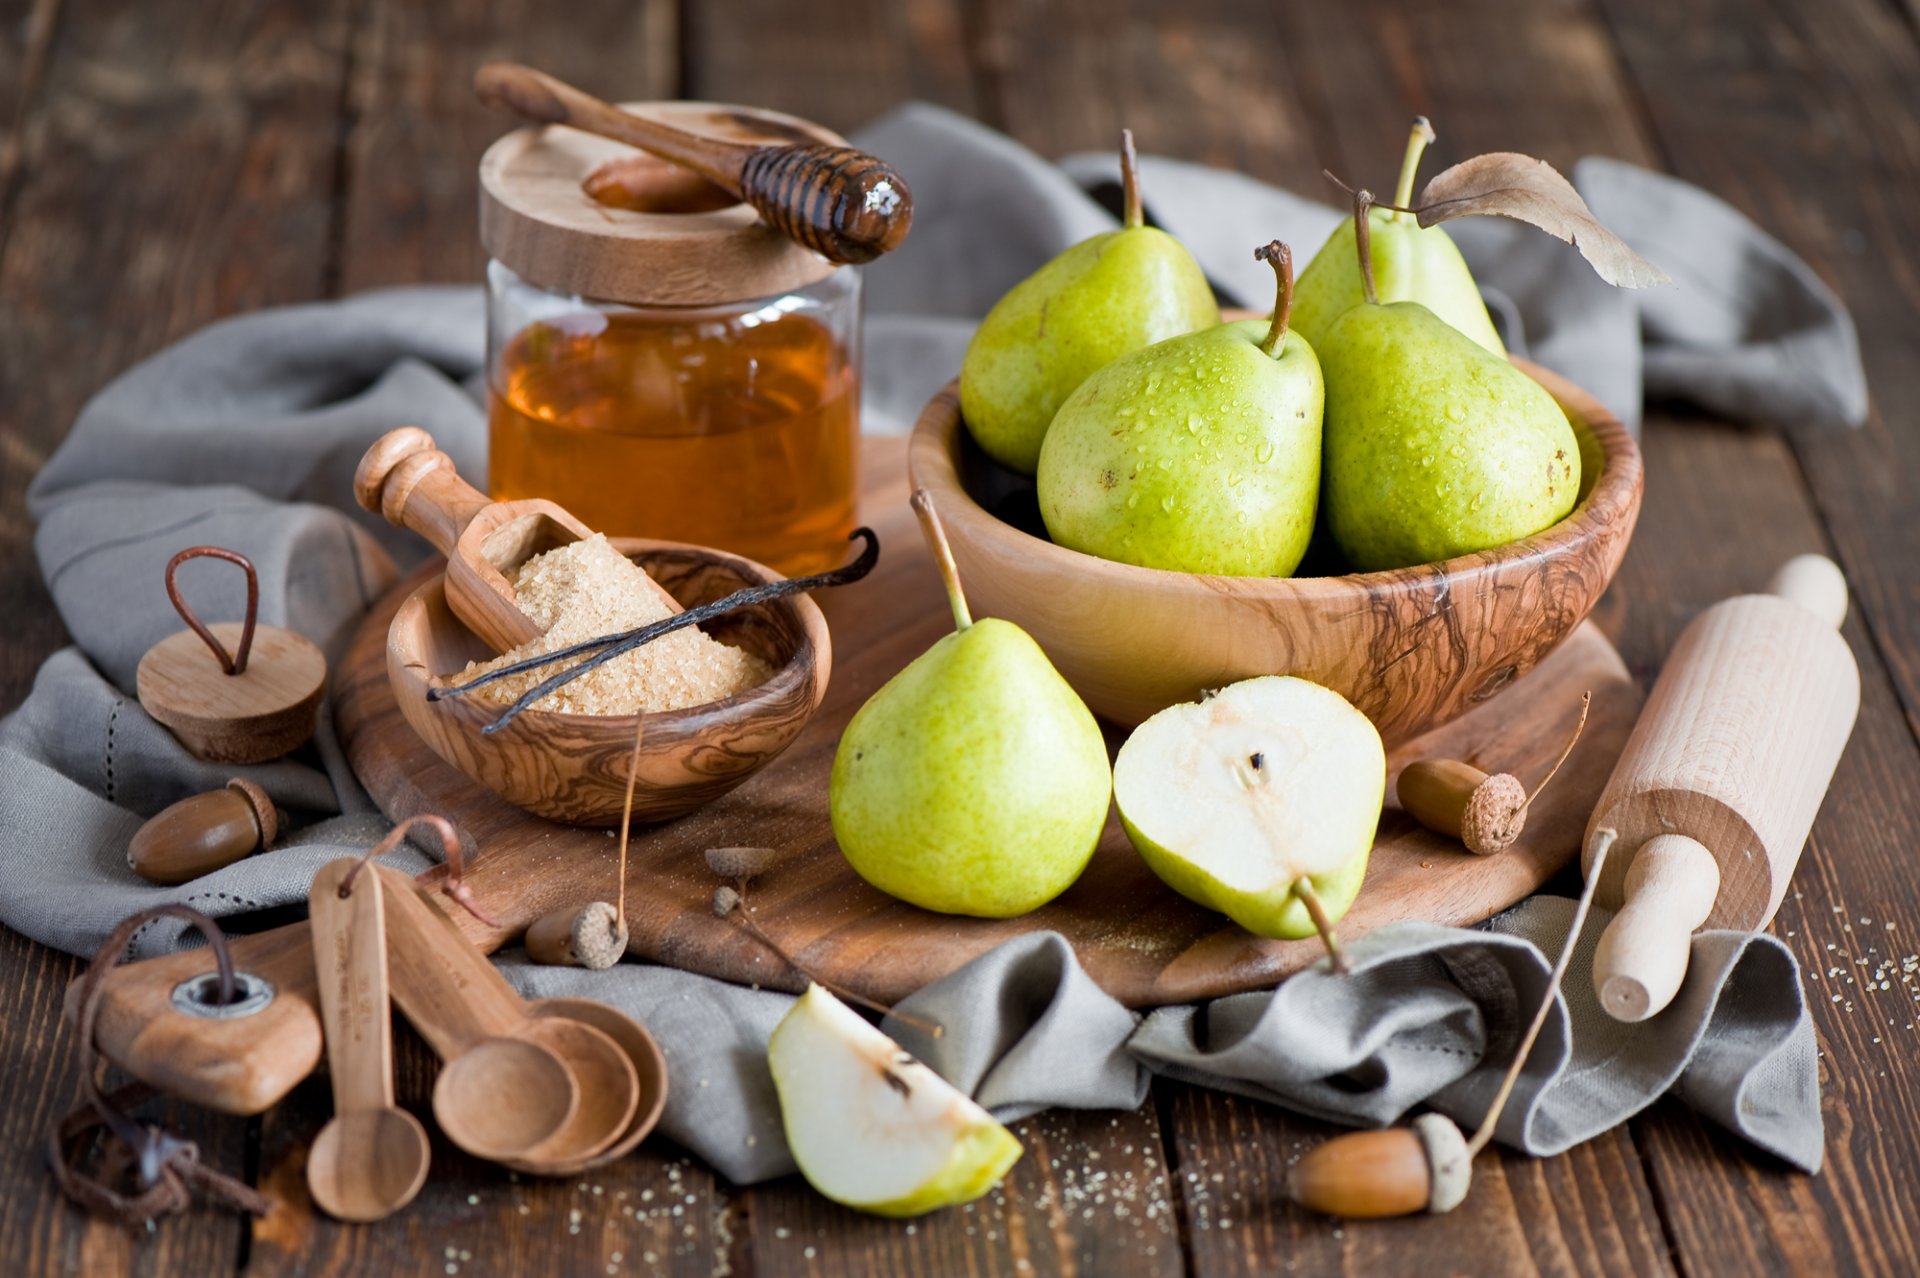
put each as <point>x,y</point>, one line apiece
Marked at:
<point>1090,1196</point>
<point>120,246</point>
<point>1803,117</point>
<point>654,1212</point>
<point>1728,1209</point>
<point>1205,82</point>
<point>840,65</point>
<point>112,247</point>
<point>1587,1212</point>
<point>417,133</point>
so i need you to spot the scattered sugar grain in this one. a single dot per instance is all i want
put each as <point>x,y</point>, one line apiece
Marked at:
<point>588,589</point>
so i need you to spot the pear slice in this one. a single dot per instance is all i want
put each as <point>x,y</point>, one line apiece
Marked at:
<point>1239,799</point>
<point>870,1126</point>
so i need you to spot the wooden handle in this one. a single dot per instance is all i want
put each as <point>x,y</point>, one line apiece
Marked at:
<point>843,204</point>
<point>350,964</point>
<point>406,478</point>
<point>536,96</point>
<point>441,980</point>
<point>1642,956</point>
<point>1814,582</point>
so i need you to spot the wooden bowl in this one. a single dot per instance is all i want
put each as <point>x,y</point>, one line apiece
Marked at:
<point>573,767</point>
<point>1411,647</point>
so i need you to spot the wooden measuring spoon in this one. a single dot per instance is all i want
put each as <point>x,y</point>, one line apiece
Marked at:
<point>844,204</point>
<point>405,477</point>
<point>477,1023</point>
<point>371,1159</point>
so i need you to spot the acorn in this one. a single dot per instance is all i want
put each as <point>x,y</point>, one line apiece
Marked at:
<point>1428,1166</point>
<point>204,832</point>
<point>1486,813</point>
<point>1395,1172</point>
<point>593,937</point>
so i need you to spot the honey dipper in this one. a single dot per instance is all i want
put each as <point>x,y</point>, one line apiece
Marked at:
<point>845,205</point>
<point>406,478</point>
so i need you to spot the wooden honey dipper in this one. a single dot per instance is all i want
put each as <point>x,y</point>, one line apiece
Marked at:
<point>1717,788</point>
<point>405,477</point>
<point>844,204</point>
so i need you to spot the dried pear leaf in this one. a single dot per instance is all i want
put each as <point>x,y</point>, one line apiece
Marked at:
<point>1508,184</point>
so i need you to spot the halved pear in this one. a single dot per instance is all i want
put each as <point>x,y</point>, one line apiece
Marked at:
<point>870,1126</point>
<point>1236,799</point>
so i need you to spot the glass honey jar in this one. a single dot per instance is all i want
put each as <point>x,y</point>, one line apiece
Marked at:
<point>659,361</point>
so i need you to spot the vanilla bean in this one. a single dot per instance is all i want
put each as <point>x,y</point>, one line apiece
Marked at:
<point>607,647</point>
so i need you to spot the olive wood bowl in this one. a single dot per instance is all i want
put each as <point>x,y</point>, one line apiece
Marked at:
<point>1411,647</point>
<point>573,767</point>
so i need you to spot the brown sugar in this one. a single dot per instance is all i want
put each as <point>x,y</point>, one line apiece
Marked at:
<point>588,589</point>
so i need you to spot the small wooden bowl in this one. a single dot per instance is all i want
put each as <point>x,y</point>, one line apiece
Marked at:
<point>1412,647</point>
<point>572,767</point>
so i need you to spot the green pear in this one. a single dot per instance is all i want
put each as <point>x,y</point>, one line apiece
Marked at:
<point>1105,296</point>
<point>975,781</point>
<point>1433,446</point>
<point>1411,263</point>
<point>870,1126</point>
<point>1198,454</point>
<point>1259,801</point>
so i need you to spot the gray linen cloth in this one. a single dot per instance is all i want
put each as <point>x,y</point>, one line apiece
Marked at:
<point>246,435</point>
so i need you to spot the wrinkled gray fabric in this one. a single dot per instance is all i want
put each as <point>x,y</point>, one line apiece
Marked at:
<point>246,435</point>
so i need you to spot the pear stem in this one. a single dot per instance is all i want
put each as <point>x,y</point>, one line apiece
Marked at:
<point>942,557</point>
<point>1363,241</point>
<point>1417,143</point>
<point>1133,216</point>
<point>1280,257</point>
<point>1303,888</point>
<point>1602,840</point>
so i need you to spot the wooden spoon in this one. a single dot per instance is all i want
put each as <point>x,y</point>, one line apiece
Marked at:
<point>405,477</point>
<point>371,1159</point>
<point>479,1026</point>
<point>843,204</point>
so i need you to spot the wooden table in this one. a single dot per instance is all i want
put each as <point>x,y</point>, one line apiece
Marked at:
<point>181,160</point>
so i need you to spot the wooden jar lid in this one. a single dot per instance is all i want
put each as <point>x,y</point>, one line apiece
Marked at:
<point>235,691</point>
<point>688,244</point>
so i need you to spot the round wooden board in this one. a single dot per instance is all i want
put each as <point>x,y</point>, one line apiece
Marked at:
<point>1140,941</point>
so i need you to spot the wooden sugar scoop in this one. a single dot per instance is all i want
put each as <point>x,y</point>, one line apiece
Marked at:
<point>406,478</point>
<point>232,692</point>
<point>843,204</point>
<point>371,1158</point>
<point>1719,784</point>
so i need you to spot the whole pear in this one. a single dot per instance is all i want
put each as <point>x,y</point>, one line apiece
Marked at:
<point>975,781</point>
<point>1411,263</point>
<point>1433,446</point>
<point>1113,293</point>
<point>1259,801</point>
<point>1198,454</point>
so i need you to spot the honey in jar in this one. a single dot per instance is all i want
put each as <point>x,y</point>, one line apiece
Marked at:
<point>672,369</point>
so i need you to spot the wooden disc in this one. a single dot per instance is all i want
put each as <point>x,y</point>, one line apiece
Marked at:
<point>537,219</point>
<point>260,714</point>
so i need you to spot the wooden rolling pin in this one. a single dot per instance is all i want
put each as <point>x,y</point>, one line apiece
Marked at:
<point>1717,788</point>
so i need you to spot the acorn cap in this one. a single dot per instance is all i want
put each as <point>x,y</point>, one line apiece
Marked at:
<point>1496,812</point>
<point>266,817</point>
<point>598,938</point>
<point>1449,1161</point>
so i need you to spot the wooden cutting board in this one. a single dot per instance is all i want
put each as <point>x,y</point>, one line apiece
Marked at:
<point>1134,936</point>
<point>1140,941</point>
